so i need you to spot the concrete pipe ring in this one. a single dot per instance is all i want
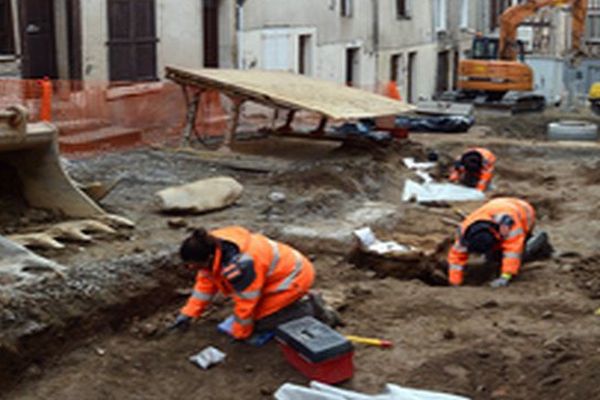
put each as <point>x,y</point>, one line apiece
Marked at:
<point>572,130</point>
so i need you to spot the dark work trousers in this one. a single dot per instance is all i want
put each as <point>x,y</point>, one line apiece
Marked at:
<point>298,309</point>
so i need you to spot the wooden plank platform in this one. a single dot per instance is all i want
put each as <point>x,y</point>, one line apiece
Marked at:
<point>290,91</point>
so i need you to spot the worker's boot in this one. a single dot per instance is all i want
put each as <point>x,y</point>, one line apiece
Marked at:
<point>537,247</point>
<point>322,311</point>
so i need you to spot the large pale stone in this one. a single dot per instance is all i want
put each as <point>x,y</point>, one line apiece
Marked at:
<point>201,196</point>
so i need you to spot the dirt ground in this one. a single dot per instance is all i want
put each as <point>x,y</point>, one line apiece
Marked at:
<point>537,339</point>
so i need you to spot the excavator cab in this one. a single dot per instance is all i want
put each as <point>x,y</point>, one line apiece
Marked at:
<point>487,48</point>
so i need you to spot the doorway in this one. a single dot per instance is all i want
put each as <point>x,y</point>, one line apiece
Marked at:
<point>74,41</point>
<point>210,15</point>
<point>411,80</point>
<point>305,54</point>
<point>38,39</point>
<point>443,70</point>
<point>352,65</point>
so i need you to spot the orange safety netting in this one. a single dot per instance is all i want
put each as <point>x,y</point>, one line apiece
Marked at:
<point>95,117</point>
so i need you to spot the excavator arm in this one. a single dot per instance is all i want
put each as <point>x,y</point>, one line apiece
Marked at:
<point>515,15</point>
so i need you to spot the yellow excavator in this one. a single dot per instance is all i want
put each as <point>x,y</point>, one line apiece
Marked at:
<point>496,66</point>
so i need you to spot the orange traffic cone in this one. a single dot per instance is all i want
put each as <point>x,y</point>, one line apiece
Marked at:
<point>392,91</point>
<point>46,100</point>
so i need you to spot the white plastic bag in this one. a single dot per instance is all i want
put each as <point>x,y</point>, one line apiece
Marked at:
<point>207,357</point>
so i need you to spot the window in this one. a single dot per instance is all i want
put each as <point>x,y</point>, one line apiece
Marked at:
<point>346,8</point>
<point>132,40</point>
<point>6,29</point>
<point>497,7</point>
<point>439,15</point>
<point>593,21</point>
<point>403,9</point>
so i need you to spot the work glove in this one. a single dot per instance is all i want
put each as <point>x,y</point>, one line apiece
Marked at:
<point>502,281</point>
<point>226,326</point>
<point>260,339</point>
<point>182,322</point>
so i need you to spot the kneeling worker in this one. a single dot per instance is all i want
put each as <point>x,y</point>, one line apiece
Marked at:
<point>499,229</point>
<point>475,169</point>
<point>266,279</point>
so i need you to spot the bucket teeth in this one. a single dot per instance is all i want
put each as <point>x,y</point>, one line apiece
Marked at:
<point>117,221</point>
<point>78,231</point>
<point>37,241</point>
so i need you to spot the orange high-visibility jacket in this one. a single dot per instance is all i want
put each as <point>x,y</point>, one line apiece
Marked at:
<point>486,173</point>
<point>512,242</point>
<point>264,278</point>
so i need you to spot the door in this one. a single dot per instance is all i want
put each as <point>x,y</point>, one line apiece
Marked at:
<point>455,65</point>
<point>210,13</point>
<point>276,50</point>
<point>37,33</point>
<point>411,71</point>
<point>443,66</point>
<point>74,41</point>
<point>352,65</point>
<point>305,54</point>
<point>132,40</point>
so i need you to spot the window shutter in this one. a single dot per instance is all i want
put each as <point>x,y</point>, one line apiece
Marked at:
<point>6,28</point>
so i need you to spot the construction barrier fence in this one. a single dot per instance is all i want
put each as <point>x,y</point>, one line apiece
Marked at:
<point>95,117</point>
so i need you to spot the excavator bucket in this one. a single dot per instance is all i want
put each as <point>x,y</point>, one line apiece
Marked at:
<point>31,151</point>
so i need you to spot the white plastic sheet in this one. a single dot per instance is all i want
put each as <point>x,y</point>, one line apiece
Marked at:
<point>429,192</point>
<point>321,391</point>
<point>369,242</point>
<point>208,357</point>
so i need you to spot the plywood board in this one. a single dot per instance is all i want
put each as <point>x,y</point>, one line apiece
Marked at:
<point>291,91</point>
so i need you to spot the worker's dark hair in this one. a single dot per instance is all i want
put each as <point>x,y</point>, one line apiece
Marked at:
<point>481,237</point>
<point>472,161</point>
<point>199,247</point>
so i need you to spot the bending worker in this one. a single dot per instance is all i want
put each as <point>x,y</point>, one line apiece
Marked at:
<point>266,279</point>
<point>499,230</point>
<point>475,168</point>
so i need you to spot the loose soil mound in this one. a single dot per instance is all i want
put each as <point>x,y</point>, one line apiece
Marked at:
<point>587,276</point>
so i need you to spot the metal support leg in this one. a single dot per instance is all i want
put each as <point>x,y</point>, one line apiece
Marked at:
<point>320,130</point>
<point>288,122</point>
<point>191,115</point>
<point>230,135</point>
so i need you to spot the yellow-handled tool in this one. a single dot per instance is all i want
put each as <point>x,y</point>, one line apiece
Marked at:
<point>370,341</point>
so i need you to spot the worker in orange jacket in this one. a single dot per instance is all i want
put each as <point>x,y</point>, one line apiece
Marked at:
<point>498,228</point>
<point>475,168</point>
<point>266,279</point>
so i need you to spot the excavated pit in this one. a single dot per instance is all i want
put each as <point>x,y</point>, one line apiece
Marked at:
<point>97,332</point>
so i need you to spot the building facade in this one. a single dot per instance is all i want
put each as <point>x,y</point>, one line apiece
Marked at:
<point>363,43</point>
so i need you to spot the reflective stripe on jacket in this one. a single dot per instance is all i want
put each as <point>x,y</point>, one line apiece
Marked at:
<point>512,242</point>
<point>280,276</point>
<point>486,172</point>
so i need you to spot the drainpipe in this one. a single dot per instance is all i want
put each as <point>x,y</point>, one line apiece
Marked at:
<point>375,4</point>
<point>239,29</point>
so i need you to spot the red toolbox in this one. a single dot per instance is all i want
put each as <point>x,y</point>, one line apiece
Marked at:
<point>317,351</point>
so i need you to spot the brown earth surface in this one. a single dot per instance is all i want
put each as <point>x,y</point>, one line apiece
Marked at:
<point>537,339</point>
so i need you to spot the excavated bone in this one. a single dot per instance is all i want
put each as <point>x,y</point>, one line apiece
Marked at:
<point>201,196</point>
